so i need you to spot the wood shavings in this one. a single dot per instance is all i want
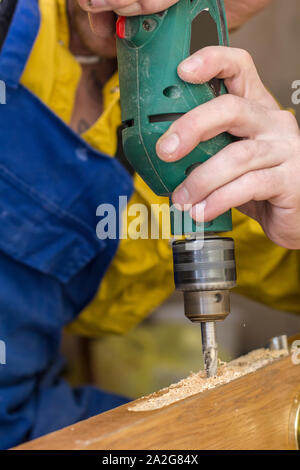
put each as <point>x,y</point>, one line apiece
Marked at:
<point>198,383</point>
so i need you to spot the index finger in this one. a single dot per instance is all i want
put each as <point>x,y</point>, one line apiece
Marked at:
<point>234,66</point>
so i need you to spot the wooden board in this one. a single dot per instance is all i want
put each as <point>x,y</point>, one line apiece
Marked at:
<point>254,412</point>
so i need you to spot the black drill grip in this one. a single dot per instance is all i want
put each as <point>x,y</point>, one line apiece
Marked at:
<point>7,8</point>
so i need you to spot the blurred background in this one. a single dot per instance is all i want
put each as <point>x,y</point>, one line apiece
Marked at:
<point>273,39</point>
<point>167,347</point>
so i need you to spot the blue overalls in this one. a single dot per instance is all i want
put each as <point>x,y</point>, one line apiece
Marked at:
<point>51,262</point>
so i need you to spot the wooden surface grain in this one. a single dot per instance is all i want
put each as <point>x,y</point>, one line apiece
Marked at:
<point>254,412</point>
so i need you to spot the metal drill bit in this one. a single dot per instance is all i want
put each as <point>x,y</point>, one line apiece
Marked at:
<point>210,348</point>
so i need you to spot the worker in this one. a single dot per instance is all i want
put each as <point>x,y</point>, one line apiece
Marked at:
<point>59,134</point>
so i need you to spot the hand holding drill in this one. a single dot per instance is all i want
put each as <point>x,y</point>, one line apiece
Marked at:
<point>262,170</point>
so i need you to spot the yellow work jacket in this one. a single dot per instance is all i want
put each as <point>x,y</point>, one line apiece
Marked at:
<point>141,275</point>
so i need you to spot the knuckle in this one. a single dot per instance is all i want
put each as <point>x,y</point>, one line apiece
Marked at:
<point>244,57</point>
<point>211,53</point>
<point>146,5</point>
<point>254,153</point>
<point>232,101</point>
<point>232,106</point>
<point>249,181</point>
<point>150,6</point>
<point>118,4</point>
<point>219,197</point>
<point>245,151</point>
<point>263,178</point>
<point>194,182</point>
<point>186,123</point>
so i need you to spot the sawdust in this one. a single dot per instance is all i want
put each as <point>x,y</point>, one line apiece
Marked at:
<point>198,383</point>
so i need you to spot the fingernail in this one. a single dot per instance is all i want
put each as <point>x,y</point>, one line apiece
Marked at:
<point>130,10</point>
<point>181,196</point>
<point>169,144</point>
<point>197,212</point>
<point>96,3</point>
<point>191,65</point>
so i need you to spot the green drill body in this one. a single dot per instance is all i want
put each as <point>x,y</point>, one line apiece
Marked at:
<point>153,95</point>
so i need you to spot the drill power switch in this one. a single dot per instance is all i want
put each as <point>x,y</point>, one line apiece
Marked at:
<point>121,27</point>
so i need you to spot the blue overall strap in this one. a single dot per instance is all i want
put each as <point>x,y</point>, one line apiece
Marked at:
<point>51,261</point>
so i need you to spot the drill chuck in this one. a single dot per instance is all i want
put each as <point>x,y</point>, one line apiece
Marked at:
<point>205,271</point>
<point>207,306</point>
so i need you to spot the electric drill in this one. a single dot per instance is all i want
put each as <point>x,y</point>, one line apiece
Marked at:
<point>150,48</point>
